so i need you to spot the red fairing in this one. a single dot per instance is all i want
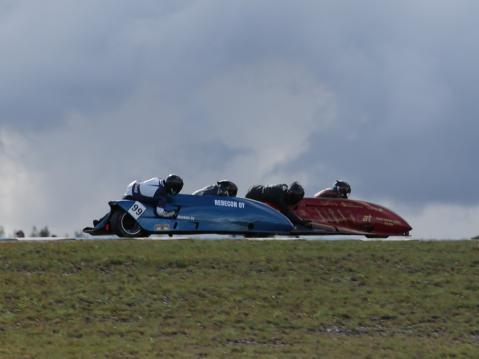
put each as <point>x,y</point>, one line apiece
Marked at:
<point>346,216</point>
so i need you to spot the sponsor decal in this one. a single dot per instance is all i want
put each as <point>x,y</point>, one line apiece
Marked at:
<point>162,227</point>
<point>388,221</point>
<point>367,219</point>
<point>187,218</point>
<point>228,203</point>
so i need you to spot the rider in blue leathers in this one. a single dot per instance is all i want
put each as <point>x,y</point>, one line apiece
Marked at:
<point>154,192</point>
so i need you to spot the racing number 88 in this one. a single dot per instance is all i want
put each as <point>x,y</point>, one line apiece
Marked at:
<point>138,211</point>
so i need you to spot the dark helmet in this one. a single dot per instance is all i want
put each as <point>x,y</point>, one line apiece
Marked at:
<point>295,193</point>
<point>227,188</point>
<point>173,184</point>
<point>342,188</point>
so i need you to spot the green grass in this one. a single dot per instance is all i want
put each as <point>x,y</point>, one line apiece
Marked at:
<point>148,299</point>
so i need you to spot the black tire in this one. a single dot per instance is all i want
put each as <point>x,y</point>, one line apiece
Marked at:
<point>125,225</point>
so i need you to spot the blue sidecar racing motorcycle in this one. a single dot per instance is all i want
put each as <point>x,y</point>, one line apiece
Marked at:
<point>192,215</point>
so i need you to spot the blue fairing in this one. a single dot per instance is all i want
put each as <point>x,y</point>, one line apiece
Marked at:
<point>211,214</point>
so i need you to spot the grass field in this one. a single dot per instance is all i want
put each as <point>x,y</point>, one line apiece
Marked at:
<point>186,298</point>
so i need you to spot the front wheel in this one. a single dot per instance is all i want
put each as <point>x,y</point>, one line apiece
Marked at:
<point>125,225</point>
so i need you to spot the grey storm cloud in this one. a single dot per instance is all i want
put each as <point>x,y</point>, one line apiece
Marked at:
<point>95,94</point>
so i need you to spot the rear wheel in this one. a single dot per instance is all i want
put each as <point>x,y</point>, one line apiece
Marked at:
<point>125,225</point>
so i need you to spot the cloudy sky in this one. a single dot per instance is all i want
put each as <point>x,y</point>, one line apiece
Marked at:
<point>94,94</point>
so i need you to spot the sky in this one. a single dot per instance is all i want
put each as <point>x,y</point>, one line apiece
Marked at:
<point>382,94</point>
